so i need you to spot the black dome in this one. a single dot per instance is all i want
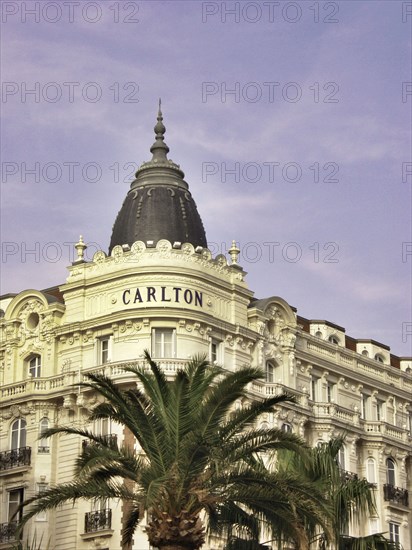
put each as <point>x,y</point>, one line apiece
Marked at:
<point>159,204</point>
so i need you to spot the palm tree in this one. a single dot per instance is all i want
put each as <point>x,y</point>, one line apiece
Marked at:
<point>203,464</point>
<point>351,497</point>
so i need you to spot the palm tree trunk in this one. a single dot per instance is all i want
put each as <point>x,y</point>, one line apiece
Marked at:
<point>129,442</point>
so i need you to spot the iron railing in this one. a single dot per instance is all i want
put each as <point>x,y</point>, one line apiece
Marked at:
<point>15,458</point>
<point>395,494</point>
<point>8,531</point>
<point>109,439</point>
<point>348,476</point>
<point>98,520</point>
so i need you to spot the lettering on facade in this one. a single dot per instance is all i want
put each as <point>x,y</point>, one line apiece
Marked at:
<point>151,294</point>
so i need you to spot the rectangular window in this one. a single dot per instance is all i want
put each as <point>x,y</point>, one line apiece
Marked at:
<point>270,373</point>
<point>163,343</point>
<point>35,366</point>
<point>342,458</point>
<point>364,406</point>
<point>370,471</point>
<point>330,392</point>
<point>313,388</point>
<point>394,533</point>
<point>16,497</point>
<point>99,504</point>
<point>379,410</point>
<point>215,351</point>
<point>104,350</point>
<point>102,426</point>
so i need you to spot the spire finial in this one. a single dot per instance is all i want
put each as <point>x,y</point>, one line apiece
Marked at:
<point>159,147</point>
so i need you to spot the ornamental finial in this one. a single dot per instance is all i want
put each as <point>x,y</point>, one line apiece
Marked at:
<point>80,248</point>
<point>234,253</point>
<point>159,149</point>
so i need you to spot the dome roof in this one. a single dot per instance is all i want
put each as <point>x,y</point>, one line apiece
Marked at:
<point>159,204</point>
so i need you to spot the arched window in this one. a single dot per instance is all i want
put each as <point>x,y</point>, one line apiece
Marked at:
<point>318,334</point>
<point>390,472</point>
<point>18,434</point>
<point>35,366</point>
<point>270,372</point>
<point>365,353</point>
<point>408,370</point>
<point>43,441</point>
<point>379,358</point>
<point>370,470</point>
<point>286,428</point>
<point>333,339</point>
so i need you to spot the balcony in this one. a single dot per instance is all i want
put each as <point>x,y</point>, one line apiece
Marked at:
<point>7,531</point>
<point>98,521</point>
<point>110,439</point>
<point>15,458</point>
<point>348,476</point>
<point>395,494</point>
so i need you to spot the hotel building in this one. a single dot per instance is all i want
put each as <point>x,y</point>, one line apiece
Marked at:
<point>159,288</point>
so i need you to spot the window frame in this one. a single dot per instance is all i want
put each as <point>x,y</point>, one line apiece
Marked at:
<point>270,370</point>
<point>341,458</point>
<point>104,349</point>
<point>12,510</point>
<point>21,431</point>
<point>371,470</point>
<point>379,410</point>
<point>394,532</point>
<point>330,392</point>
<point>34,366</point>
<point>391,472</point>
<point>364,406</point>
<point>215,351</point>
<point>314,386</point>
<point>156,331</point>
<point>43,442</point>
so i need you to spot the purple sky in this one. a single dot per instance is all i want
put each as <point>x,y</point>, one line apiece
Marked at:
<point>306,164</point>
